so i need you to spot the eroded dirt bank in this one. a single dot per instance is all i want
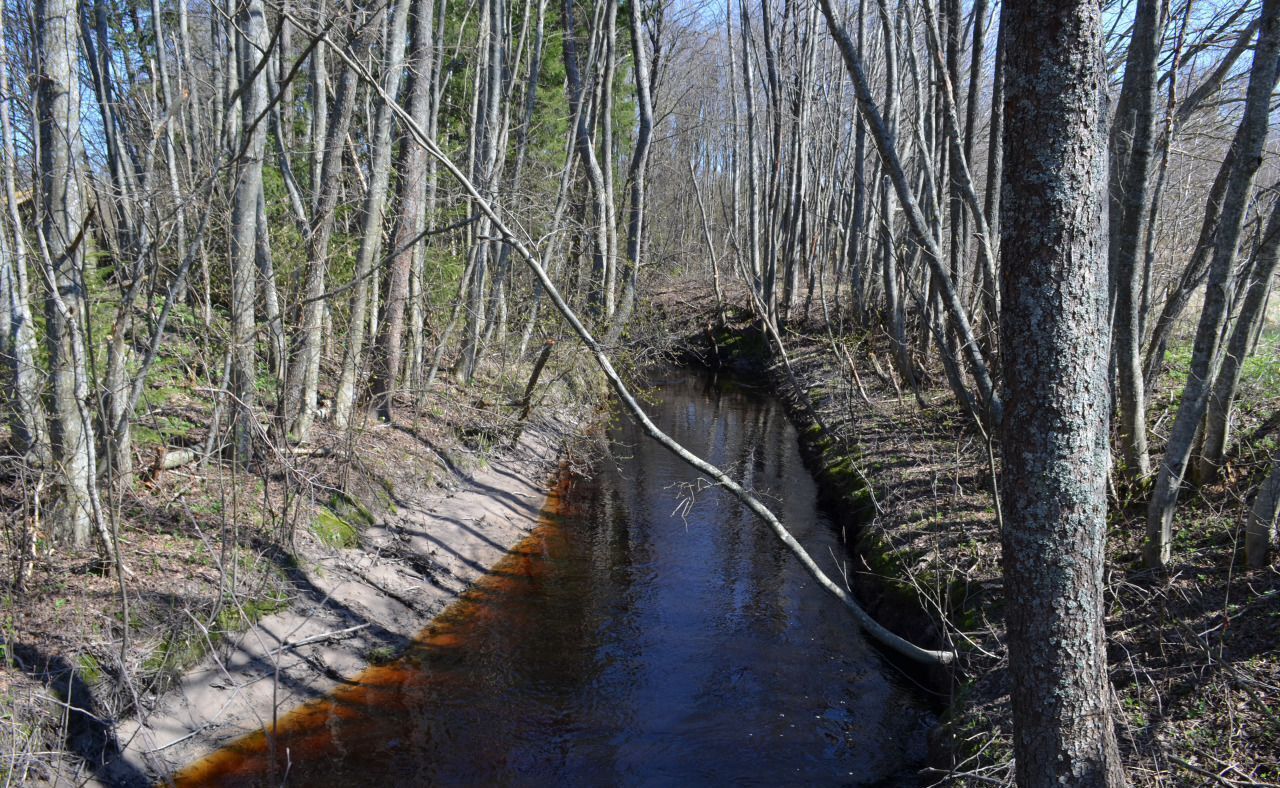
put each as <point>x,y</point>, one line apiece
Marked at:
<point>251,590</point>
<point>353,606</point>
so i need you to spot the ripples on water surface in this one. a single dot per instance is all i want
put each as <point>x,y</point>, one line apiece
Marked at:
<point>635,638</point>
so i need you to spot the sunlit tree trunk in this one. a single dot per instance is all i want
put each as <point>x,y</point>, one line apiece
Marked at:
<point>26,408</point>
<point>252,48</point>
<point>1219,293</point>
<point>64,236</point>
<point>412,171</point>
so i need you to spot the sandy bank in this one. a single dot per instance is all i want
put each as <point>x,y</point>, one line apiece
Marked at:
<point>351,605</point>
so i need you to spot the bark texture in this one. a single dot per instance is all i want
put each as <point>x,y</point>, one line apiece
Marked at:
<point>1054,331</point>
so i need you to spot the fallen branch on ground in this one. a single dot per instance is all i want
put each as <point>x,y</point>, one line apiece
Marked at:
<point>869,624</point>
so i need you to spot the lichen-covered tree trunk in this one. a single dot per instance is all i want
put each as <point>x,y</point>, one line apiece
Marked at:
<point>1057,405</point>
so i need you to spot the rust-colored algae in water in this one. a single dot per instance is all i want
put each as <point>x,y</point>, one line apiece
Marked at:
<point>630,639</point>
<point>307,732</point>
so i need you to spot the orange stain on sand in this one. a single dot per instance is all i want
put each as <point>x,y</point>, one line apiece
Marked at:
<point>307,732</point>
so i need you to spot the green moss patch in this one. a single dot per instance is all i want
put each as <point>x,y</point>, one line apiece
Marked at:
<point>334,531</point>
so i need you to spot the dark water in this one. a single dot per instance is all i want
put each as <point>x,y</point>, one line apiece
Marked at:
<point>638,637</point>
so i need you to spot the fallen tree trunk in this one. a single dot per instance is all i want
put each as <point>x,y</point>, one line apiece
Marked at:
<point>868,624</point>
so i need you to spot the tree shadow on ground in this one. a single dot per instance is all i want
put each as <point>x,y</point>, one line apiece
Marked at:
<point>89,735</point>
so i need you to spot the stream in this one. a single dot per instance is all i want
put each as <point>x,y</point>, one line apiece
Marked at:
<point>650,631</point>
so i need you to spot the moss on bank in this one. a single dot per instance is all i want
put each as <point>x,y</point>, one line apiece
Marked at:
<point>1190,650</point>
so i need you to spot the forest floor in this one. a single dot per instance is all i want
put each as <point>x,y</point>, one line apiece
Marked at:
<point>1194,651</point>
<point>325,558</point>
<point>249,593</point>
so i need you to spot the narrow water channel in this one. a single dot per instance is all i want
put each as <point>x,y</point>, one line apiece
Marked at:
<point>650,632</point>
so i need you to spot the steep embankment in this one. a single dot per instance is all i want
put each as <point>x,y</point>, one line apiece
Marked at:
<point>358,604</point>
<point>1192,651</point>
<point>250,591</point>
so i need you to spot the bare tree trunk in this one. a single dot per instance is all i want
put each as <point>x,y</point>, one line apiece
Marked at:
<point>608,66</point>
<point>753,157</point>
<point>1217,420</point>
<point>889,273</point>
<point>252,46</point>
<point>991,201</point>
<point>637,175</point>
<point>1205,358</point>
<point>1157,189</point>
<point>485,174</point>
<point>586,152</point>
<point>412,169</point>
<point>773,160</point>
<point>281,63</point>
<point>221,50</point>
<point>318,131</point>
<point>858,224</point>
<point>64,236</point>
<point>26,409</point>
<point>291,186</point>
<point>1054,351</point>
<point>172,117</point>
<point>300,395</point>
<point>374,212</point>
<point>1132,138</point>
